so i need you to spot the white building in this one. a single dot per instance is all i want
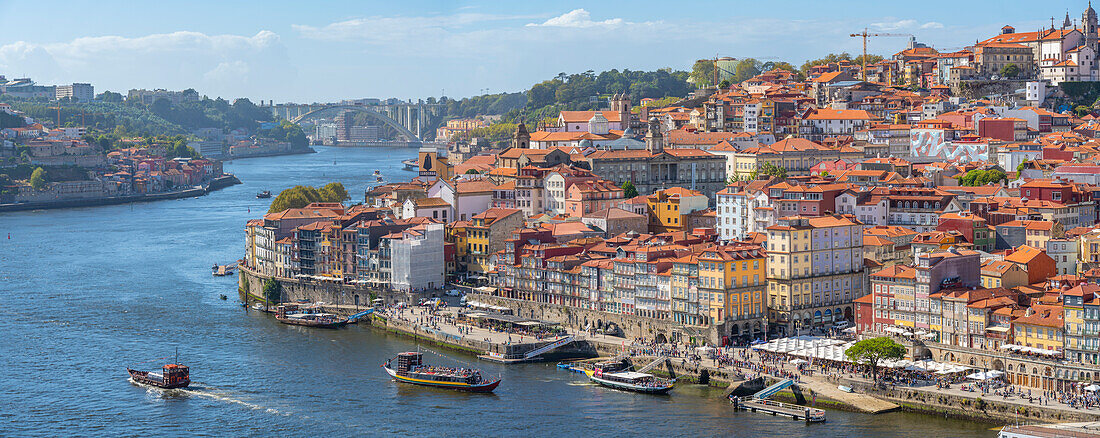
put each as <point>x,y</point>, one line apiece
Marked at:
<point>75,92</point>
<point>416,256</point>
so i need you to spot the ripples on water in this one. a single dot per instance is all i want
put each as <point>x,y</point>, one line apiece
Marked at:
<point>89,291</point>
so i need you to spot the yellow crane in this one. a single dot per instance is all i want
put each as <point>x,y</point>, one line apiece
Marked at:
<point>58,108</point>
<point>864,35</point>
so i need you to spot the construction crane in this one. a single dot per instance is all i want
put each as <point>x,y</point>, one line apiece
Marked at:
<point>864,35</point>
<point>58,108</point>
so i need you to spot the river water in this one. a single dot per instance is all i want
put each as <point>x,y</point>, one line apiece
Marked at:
<point>88,291</point>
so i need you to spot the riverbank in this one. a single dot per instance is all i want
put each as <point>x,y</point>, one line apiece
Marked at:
<point>215,184</point>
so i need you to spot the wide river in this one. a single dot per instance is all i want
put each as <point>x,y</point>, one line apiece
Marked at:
<point>86,292</point>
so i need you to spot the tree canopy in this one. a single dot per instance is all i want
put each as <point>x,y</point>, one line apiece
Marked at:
<point>629,191</point>
<point>834,57</point>
<point>978,177</point>
<point>301,196</point>
<point>38,179</point>
<point>874,350</point>
<point>768,169</point>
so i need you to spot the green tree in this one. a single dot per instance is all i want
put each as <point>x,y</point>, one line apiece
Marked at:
<point>301,196</point>
<point>472,172</point>
<point>272,291</point>
<point>629,191</point>
<point>770,169</point>
<point>702,73</point>
<point>333,192</point>
<point>1010,71</point>
<point>38,179</point>
<point>874,350</point>
<point>1020,167</point>
<point>725,83</point>
<point>109,96</point>
<point>1082,110</point>
<point>745,69</point>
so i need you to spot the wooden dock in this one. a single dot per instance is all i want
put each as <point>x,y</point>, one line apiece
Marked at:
<point>796,412</point>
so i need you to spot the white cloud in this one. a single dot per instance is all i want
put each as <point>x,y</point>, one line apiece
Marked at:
<point>213,64</point>
<point>580,18</point>
<point>891,24</point>
<point>228,72</point>
<point>386,30</point>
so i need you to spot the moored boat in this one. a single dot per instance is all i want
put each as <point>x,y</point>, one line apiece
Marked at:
<point>408,367</point>
<point>173,375</point>
<point>612,375</point>
<point>263,195</point>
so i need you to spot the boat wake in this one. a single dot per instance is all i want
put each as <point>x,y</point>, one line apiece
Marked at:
<point>200,391</point>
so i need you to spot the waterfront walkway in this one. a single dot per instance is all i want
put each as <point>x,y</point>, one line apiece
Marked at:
<point>747,363</point>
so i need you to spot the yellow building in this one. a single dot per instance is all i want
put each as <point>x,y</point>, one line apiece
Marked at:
<point>999,273</point>
<point>432,162</point>
<point>732,280</point>
<point>814,271</point>
<point>1041,327</point>
<point>456,234</point>
<point>668,207</point>
<point>486,233</point>
<point>1089,250</point>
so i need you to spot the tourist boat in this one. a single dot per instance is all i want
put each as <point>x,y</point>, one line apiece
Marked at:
<point>263,195</point>
<point>408,367</point>
<point>173,375</point>
<point>377,172</point>
<point>378,178</point>
<point>612,375</point>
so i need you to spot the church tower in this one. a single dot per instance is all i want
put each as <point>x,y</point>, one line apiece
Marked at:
<point>1089,28</point>
<point>654,140</point>
<point>521,139</point>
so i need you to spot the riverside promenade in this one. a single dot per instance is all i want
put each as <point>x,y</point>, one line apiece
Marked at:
<point>732,367</point>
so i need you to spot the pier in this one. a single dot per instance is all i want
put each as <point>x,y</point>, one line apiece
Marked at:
<point>796,412</point>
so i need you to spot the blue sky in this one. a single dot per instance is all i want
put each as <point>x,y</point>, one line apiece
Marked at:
<point>306,51</point>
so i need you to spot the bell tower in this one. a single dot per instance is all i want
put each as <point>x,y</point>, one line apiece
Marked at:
<point>521,139</point>
<point>654,140</point>
<point>1089,27</point>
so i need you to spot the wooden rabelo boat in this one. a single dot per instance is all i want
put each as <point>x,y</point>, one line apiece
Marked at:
<point>173,375</point>
<point>408,367</point>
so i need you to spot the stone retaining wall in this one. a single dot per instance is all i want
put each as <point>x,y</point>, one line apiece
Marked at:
<point>576,320</point>
<point>988,409</point>
<point>328,292</point>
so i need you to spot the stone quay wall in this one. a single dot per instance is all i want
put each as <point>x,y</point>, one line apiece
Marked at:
<point>989,408</point>
<point>251,286</point>
<point>576,320</point>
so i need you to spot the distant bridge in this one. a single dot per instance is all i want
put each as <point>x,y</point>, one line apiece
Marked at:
<point>408,119</point>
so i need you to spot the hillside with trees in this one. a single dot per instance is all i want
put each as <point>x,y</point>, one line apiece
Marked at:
<point>109,113</point>
<point>569,92</point>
